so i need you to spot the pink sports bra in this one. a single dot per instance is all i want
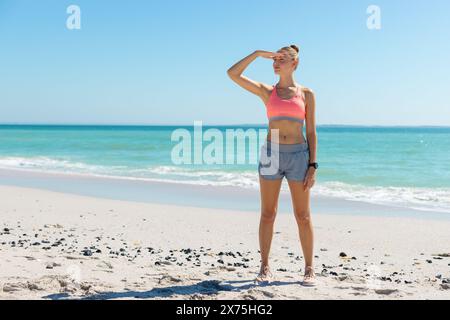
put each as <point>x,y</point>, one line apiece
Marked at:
<point>289,109</point>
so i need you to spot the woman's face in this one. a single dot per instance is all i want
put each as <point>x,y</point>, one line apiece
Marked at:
<point>284,63</point>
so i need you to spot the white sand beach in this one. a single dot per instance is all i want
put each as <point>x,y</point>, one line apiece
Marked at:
<point>57,245</point>
<point>133,141</point>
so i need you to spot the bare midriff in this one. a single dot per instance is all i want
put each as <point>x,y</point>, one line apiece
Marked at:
<point>289,132</point>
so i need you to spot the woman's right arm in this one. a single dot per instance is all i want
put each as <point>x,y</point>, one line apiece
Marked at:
<point>235,72</point>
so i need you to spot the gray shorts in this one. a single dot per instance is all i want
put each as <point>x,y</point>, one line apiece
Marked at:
<point>279,160</point>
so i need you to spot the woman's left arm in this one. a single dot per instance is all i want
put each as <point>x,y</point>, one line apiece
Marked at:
<point>311,136</point>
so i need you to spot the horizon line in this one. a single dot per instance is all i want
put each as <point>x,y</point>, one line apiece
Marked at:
<point>205,124</point>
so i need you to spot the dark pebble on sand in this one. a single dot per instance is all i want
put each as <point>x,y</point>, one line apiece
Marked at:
<point>87,252</point>
<point>342,254</point>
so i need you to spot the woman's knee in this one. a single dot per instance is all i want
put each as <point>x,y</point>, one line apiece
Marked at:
<point>303,217</point>
<point>268,215</point>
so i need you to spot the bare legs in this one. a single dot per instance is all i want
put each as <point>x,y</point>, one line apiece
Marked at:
<point>270,190</point>
<point>300,203</point>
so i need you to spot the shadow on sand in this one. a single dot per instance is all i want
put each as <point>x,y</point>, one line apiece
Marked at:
<point>208,287</point>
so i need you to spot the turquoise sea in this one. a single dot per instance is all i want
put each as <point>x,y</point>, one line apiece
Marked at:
<point>401,166</point>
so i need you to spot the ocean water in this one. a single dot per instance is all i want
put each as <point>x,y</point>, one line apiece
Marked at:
<point>401,166</point>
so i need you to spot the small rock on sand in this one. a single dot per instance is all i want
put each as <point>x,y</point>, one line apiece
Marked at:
<point>385,291</point>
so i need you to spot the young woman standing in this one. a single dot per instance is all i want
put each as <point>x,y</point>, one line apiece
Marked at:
<point>288,107</point>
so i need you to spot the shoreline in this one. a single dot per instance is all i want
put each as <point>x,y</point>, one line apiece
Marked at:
<point>204,196</point>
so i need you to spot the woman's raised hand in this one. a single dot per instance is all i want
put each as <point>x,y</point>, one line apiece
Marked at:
<point>268,54</point>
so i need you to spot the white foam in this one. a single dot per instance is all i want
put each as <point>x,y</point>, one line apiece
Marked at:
<point>436,199</point>
<point>427,199</point>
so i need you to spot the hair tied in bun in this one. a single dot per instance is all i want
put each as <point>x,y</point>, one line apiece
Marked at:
<point>293,46</point>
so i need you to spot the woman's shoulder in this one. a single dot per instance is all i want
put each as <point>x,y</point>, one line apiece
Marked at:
<point>306,89</point>
<point>307,92</point>
<point>267,88</point>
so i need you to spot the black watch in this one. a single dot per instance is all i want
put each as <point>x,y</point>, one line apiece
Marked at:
<point>313,164</point>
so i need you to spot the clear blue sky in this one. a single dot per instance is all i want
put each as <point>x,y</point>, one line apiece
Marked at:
<point>165,62</point>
